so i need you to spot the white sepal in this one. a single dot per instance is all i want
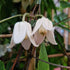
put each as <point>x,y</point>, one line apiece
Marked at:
<point>19,32</point>
<point>50,37</point>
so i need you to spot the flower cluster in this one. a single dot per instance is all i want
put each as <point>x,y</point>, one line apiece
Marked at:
<point>23,33</point>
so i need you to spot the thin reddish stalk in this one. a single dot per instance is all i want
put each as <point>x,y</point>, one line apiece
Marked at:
<point>16,59</point>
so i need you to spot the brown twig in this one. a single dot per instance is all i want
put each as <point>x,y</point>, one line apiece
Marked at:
<point>16,59</point>
<point>39,9</point>
<point>52,15</point>
<point>5,35</point>
<point>34,9</point>
<point>57,55</point>
<point>68,67</point>
<point>49,56</point>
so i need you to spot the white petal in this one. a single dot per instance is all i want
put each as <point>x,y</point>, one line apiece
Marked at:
<point>12,44</point>
<point>37,26</point>
<point>39,38</point>
<point>50,37</point>
<point>29,32</point>
<point>19,32</point>
<point>26,44</point>
<point>33,41</point>
<point>47,24</point>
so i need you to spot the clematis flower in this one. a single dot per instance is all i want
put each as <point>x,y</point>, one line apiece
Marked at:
<point>42,29</point>
<point>22,34</point>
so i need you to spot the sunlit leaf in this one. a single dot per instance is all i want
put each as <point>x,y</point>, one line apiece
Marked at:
<point>64,61</point>
<point>43,55</point>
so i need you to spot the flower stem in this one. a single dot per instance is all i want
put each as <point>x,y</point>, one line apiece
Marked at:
<point>26,14</point>
<point>38,15</point>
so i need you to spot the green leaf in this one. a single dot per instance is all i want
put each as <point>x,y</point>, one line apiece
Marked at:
<point>64,4</point>
<point>8,65</point>
<point>60,17</point>
<point>64,27</point>
<point>42,7</point>
<point>2,67</point>
<point>64,61</point>
<point>43,55</point>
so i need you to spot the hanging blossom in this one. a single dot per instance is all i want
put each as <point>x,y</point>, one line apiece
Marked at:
<point>44,28</point>
<point>22,34</point>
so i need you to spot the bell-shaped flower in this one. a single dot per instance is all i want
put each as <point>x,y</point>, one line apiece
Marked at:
<point>42,29</point>
<point>22,34</point>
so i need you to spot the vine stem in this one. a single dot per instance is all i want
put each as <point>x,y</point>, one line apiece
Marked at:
<point>19,15</point>
<point>11,18</point>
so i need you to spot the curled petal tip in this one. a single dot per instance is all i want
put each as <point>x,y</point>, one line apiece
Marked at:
<point>50,37</point>
<point>33,41</point>
<point>36,45</point>
<point>55,43</point>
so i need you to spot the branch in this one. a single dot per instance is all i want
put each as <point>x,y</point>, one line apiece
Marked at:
<point>17,57</point>
<point>49,56</point>
<point>57,55</point>
<point>5,35</point>
<point>68,67</point>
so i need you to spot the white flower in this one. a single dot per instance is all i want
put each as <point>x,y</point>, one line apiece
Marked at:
<point>22,34</point>
<point>42,29</point>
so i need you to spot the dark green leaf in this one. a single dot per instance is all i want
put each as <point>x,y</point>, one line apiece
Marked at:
<point>64,27</point>
<point>60,17</point>
<point>64,4</point>
<point>8,66</point>
<point>2,67</point>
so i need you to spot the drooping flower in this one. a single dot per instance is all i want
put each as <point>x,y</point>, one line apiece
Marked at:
<point>22,34</point>
<point>42,29</point>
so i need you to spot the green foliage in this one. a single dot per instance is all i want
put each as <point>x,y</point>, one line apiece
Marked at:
<point>5,8</point>
<point>8,65</point>
<point>64,4</point>
<point>2,67</point>
<point>64,61</point>
<point>60,17</point>
<point>43,55</point>
<point>61,21</point>
<point>52,50</point>
<point>47,6</point>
